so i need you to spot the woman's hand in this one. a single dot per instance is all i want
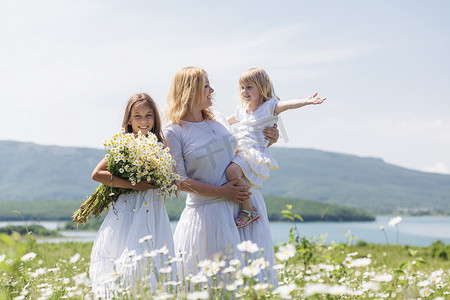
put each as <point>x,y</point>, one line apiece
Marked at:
<point>236,193</point>
<point>271,134</point>
<point>143,186</point>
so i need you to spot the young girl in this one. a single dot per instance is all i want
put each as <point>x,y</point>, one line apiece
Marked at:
<point>137,225</point>
<point>259,108</point>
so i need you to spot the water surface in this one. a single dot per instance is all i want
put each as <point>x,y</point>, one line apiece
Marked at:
<point>414,231</point>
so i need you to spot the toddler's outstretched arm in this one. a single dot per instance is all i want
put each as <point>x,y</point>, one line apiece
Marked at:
<point>296,103</point>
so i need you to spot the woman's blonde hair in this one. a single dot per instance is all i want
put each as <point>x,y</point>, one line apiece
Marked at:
<point>185,92</point>
<point>143,98</point>
<point>258,77</point>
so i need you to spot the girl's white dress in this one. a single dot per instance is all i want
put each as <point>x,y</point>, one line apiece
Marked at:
<point>132,245</point>
<point>253,156</point>
<point>206,227</point>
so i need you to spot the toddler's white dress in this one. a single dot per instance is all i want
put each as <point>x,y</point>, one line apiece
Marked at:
<point>253,156</point>
<point>124,254</point>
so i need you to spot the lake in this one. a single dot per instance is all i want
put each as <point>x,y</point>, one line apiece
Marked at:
<point>414,231</point>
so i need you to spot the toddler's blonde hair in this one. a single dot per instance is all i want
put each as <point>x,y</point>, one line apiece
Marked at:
<point>258,77</point>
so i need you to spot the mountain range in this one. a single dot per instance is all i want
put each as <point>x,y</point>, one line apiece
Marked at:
<point>35,172</point>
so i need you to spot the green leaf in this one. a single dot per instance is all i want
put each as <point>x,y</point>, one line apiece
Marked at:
<point>400,269</point>
<point>6,239</point>
<point>299,217</point>
<point>421,259</point>
<point>325,211</point>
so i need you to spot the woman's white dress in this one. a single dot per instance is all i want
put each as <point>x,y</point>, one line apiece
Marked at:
<point>206,227</point>
<point>132,245</point>
<point>253,156</point>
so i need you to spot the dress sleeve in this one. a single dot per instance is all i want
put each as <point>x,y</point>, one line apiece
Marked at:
<point>172,133</point>
<point>270,106</point>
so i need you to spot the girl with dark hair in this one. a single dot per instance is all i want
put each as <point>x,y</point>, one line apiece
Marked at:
<point>138,223</point>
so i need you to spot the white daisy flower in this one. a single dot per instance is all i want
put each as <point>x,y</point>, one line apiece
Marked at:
<point>248,246</point>
<point>145,238</point>
<point>395,221</point>
<point>28,256</point>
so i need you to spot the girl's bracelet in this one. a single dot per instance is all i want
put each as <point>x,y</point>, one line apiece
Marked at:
<point>112,185</point>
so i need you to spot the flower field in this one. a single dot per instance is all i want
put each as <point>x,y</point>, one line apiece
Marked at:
<point>306,269</point>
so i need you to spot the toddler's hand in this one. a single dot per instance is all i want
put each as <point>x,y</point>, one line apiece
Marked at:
<point>315,100</point>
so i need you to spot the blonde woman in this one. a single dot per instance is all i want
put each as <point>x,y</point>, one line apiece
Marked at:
<point>203,147</point>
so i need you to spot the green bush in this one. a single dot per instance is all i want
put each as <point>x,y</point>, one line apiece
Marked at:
<point>37,230</point>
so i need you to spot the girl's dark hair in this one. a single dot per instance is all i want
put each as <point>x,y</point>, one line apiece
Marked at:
<point>143,98</point>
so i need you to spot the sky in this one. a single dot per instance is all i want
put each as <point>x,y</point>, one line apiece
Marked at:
<point>69,67</point>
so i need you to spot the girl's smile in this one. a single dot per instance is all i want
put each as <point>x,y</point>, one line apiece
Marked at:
<point>142,118</point>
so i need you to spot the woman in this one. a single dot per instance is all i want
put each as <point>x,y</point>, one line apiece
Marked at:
<point>202,145</point>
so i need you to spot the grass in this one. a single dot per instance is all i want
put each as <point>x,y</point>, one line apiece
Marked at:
<point>307,268</point>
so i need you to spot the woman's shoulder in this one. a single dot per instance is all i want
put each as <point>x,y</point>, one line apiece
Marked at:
<point>173,134</point>
<point>172,130</point>
<point>220,118</point>
<point>172,127</point>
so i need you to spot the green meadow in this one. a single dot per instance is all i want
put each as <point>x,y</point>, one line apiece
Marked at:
<point>307,268</point>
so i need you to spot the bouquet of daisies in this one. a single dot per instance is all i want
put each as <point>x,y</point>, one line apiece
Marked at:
<point>134,158</point>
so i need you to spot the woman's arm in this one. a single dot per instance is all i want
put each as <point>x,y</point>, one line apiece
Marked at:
<point>228,190</point>
<point>102,175</point>
<point>297,103</point>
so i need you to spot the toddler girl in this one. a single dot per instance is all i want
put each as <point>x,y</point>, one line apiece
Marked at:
<point>259,108</point>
